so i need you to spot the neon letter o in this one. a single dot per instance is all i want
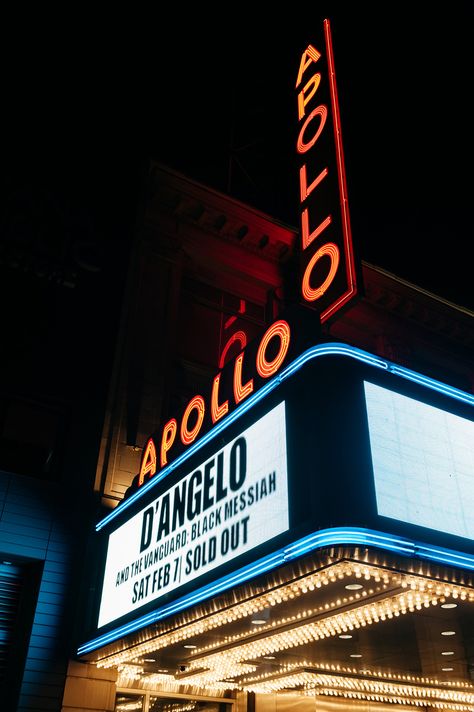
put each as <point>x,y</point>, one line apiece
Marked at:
<point>267,368</point>
<point>310,294</point>
<point>187,436</point>
<point>321,111</point>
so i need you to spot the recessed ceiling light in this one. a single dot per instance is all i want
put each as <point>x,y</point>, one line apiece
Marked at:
<point>449,605</point>
<point>448,652</point>
<point>448,632</point>
<point>162,670</point>
<point>353,586</point>
<point>355,655</point>
<point>447,669</point>
<point>190,647</point>
<point>258,621</point>
<point>345,636</point>
<point>269,657</point>
<point>149,660</point>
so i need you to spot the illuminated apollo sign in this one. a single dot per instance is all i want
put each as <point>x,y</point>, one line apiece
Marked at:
<point>229,388</point>
<point>328,274</point>
<point>341,447</point>
<point>234,501</point>
<point>328,279</point>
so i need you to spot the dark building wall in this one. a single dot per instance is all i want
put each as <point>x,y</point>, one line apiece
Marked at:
<point>36,539</point>
<point>197,254</point>
<point>65,226</point>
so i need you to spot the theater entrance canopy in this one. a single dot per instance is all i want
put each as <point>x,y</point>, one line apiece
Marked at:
<point>315,540</point>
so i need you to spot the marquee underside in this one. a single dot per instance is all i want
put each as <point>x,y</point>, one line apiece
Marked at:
<point>351,622</point>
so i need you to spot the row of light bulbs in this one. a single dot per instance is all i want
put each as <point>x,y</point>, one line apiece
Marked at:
<point>216,670</point>
<point>330,626</point>
<point>310,681</point>
<point>358,688</point>
<point>248,608</point>
<point>279,596</point>
<point>343,670</point>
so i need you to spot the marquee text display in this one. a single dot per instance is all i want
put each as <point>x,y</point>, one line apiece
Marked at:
<point>234,501</point>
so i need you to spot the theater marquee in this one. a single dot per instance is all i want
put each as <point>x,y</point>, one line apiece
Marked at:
<point>340,447</point>
<point>232,502</point>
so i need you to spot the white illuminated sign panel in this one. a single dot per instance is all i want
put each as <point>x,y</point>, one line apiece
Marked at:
<point>423,461</point>
<point>231,503</point>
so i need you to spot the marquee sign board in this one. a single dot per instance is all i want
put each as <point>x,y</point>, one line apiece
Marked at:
<point>227,505</point>
<point>339,447</point>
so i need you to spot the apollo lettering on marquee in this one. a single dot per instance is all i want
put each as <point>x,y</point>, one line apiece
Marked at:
<point>328,275</point>
<point>232,502</point>
<point>328,280</point>
<point>202,413</point>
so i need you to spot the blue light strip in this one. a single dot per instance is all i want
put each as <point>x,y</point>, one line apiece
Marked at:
<point>431,383</point>
<point>325,537</point>
<point>329,349</point>
<point>445,556</point>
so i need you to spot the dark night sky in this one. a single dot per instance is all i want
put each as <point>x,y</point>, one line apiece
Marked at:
<point>213,96</point>
<point>404,73</point>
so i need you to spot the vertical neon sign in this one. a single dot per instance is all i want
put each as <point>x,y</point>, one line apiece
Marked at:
<point>328,275</point>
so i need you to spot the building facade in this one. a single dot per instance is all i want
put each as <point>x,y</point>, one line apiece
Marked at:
<point>364,606</point>
<point>320,594</point>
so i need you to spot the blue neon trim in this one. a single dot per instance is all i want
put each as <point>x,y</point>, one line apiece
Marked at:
<point>445,556</point>
<point>329,349</point>
<point>431,383</point>
<point>316,540</point>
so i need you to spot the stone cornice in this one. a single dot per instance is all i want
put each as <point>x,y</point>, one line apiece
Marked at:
<point>213,212</point>
<point>202,209</point>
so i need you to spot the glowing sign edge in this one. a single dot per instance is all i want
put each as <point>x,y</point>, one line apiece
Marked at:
<point>317,351</point>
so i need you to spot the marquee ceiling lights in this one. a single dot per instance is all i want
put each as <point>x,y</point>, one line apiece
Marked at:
<point>416,692</point>
<point>272,599</point>
<point>311,679</point>
<point>369,606</point>
<point>326,626</point>
<point>232,661</point>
